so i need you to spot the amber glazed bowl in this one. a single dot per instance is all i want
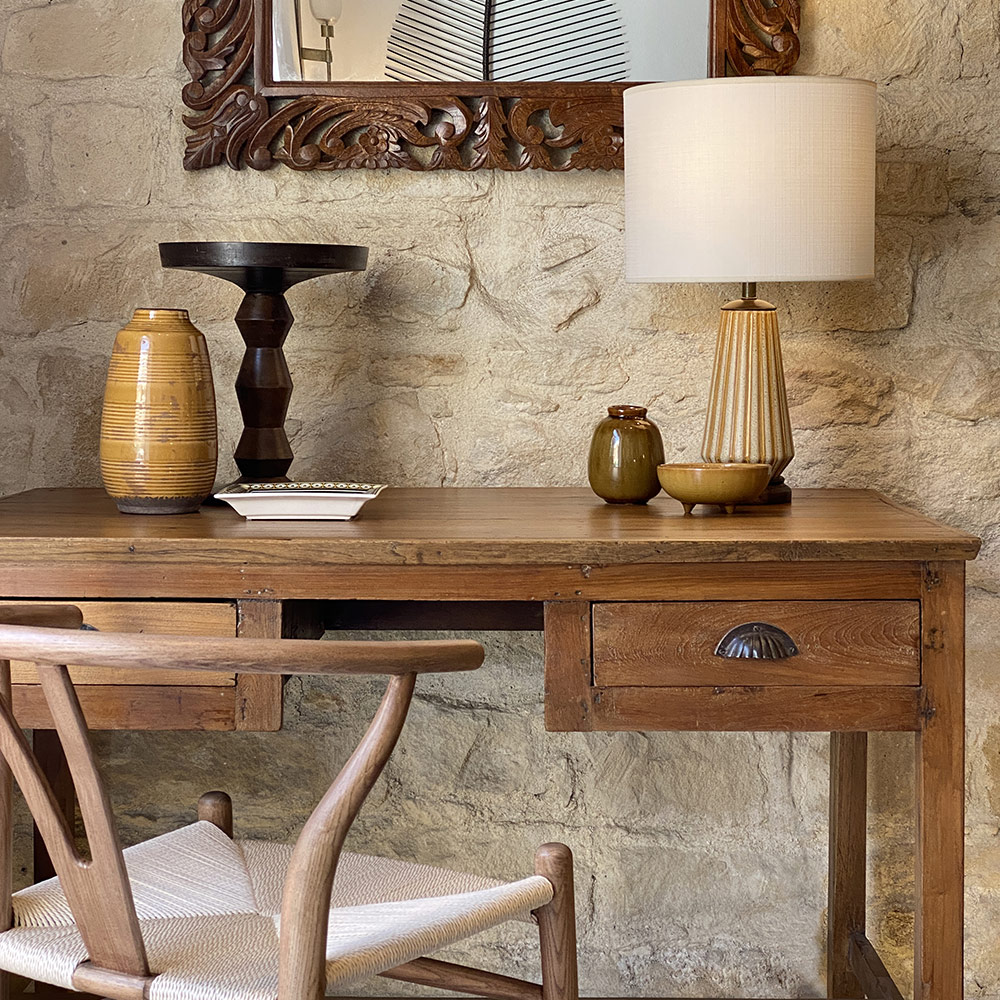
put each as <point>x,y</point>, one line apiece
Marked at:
<point>723,484</point>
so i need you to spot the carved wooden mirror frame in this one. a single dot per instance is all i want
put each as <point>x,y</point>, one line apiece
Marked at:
<point>242,117</point>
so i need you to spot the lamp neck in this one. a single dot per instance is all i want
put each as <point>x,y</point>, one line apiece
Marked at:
<point>748,301</point>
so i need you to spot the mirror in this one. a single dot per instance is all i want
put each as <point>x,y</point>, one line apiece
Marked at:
<point>422,41</point>
<point>451,84</point>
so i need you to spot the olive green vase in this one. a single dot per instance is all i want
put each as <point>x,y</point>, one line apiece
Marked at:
<point>624,453</point>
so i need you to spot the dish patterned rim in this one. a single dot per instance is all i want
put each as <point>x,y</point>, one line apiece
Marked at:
<point>272,489</point>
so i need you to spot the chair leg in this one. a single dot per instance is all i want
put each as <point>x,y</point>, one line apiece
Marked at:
<point>557,924</point>
<point>217,808</point>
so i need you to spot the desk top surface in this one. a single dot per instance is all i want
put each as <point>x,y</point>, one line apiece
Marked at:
<point>460,526</point>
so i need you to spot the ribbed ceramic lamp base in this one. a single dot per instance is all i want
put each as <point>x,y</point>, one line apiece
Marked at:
<point>747,418</point>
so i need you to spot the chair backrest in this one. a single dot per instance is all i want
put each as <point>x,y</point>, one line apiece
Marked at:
<point>98,890</point>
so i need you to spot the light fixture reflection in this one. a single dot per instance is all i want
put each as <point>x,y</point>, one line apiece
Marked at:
<point>327,13</point>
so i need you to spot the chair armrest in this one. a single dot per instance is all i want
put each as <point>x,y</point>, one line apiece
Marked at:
<point>223,655</point>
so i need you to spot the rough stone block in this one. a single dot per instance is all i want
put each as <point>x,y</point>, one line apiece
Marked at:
<point>71,389</point>
<point>416,370</point>
<point>978,31</point>
<point>416,286</point>
<point>911,187</point>
<point>14,182</point>
<point>69,41</point>
<point>868,39</point>
<point>880,304</point>
<point>925,114</point>
<point>825,388</point>
<point>60,276</point>
<point>19,418</point>
<point>88,170</point>
<point>957,291</point>
<point>974,182</point>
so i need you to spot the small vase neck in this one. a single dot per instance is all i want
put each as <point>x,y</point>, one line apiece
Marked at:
<point>155,314</point>
<point>626,411</point>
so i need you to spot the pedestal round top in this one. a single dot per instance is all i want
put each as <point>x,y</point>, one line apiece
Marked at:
<point>264,265</point>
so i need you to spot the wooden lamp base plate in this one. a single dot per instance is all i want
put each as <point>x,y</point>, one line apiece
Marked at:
<point>777,492</point>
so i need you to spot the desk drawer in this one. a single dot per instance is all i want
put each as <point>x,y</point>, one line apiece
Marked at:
<point>674,644</point>
<point>165,617</point>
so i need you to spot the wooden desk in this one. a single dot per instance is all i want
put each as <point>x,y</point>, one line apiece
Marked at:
<point>634,602</point>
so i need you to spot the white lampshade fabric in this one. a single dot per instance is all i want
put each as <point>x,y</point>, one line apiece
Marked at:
<point>750,179</point>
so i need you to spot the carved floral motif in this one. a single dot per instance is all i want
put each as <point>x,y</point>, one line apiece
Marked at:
<point>762,36</point>
<point>232,122</point>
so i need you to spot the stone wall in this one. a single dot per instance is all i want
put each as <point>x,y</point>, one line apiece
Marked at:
<point>490,330</point>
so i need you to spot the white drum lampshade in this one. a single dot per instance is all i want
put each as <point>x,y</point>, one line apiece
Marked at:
<point>750,179</point>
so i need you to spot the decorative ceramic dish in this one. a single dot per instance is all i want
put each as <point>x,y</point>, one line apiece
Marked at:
<point>724,484</point>
<point>299,501</point>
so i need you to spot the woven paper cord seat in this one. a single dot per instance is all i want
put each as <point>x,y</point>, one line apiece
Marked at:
<point>209,912</point>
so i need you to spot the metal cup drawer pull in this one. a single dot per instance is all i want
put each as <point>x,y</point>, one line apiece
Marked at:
<point>756,641</point>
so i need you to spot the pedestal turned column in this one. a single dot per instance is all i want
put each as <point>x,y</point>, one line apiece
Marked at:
<point>265,271</point>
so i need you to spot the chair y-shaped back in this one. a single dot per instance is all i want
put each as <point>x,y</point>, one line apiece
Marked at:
<point>98,890</point>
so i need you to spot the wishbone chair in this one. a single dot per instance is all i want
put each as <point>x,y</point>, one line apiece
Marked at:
<point>196,915</point>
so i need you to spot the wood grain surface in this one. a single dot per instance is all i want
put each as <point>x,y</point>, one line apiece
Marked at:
<point>264,656</point>
<point>134,706</point>
<point>940,901</point>
<point>840,643</point>
<point>259,704</point>
<point>73,543</point>
<point>160,617</point>
<point>796,709</point>
<point>448,976</point>
<point>870,972</point>
<point>557,924</point>
<point>305,898</point>
<point>567,549</point>
<point>568,691</point>
<point>847,860</point>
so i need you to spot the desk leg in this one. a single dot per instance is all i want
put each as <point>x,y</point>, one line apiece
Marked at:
<point>940,746</point>
<point>51,759</point>
<point>6,833</point>
<point>847,859</point>
<point>258,696</point>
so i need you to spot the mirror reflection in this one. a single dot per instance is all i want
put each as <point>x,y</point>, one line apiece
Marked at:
<point>409,41</point>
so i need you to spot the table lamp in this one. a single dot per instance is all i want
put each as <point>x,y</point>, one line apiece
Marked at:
<point>750,179</point>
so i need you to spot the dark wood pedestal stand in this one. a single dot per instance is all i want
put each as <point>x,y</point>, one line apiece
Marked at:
<point>265,271</point>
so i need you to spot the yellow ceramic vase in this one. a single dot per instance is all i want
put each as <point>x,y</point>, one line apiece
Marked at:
<point>159,441</point>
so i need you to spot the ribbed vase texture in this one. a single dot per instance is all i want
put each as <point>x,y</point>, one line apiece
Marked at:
<point>159,442</point>
<point>747,417</point>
